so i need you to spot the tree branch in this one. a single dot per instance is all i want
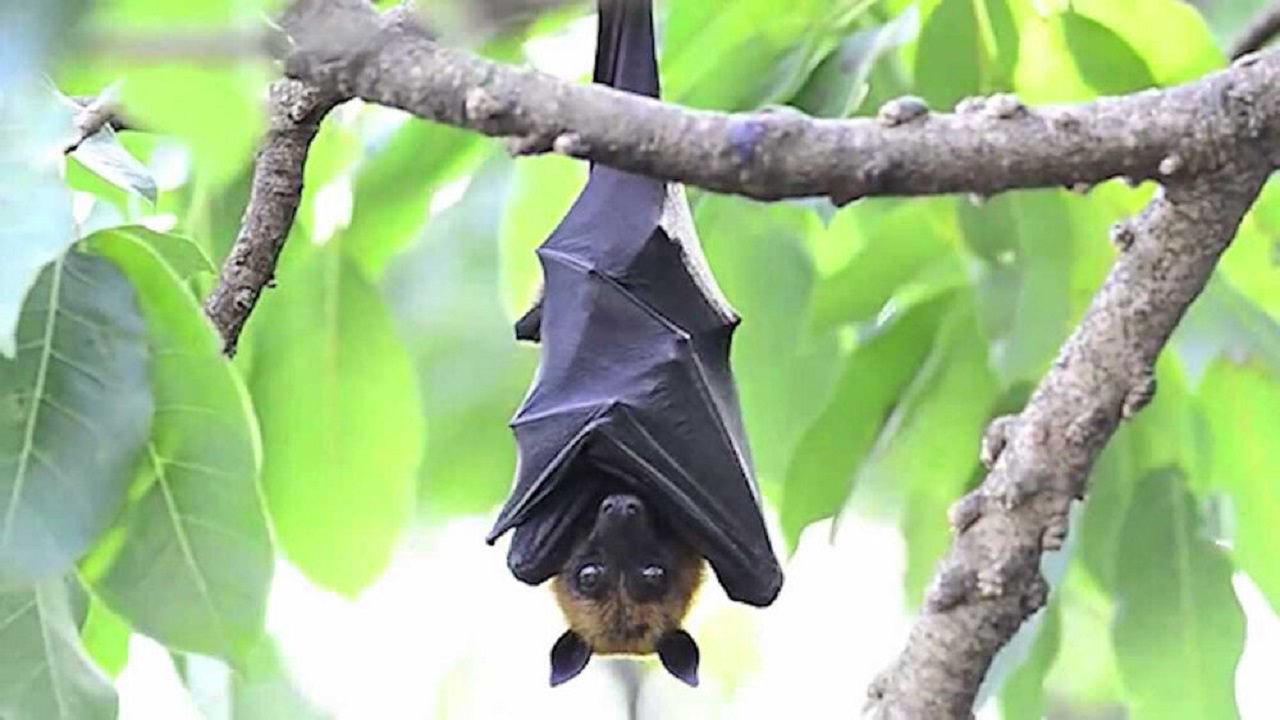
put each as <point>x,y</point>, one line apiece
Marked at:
<point>988,146</point>
<point>295,115</point>
<point>1260,30</point>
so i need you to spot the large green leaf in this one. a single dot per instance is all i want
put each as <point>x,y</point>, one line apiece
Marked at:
<point>1163,435</point>
<point>196,561</point>
<point>735,56</point>
<point>933,448</point>
<point>1024,294</point>
<point>876,372</point>
<point>1242,409</point>
<point>38,222</point>
<point>539,194</point>
<point>966,47</point>
<point>1179,629</point>
<point>472,375</point>
<point>45,673</point>
<point>838,84</point>
<point>895,246</point>
<point>341,422</point>
<point>1106,62</point>
<point>75,407</point>
<point>784,375</point>
<point>1169,35</point>
<point>394,187</point>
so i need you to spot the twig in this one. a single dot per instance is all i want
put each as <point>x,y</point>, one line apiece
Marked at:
<point>1261,29</point>
<point>95,113</point>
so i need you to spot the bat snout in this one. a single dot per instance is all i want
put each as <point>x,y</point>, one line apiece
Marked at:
<point>616,507</point>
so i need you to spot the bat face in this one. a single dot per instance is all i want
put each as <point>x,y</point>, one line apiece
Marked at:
<point>626,589</point>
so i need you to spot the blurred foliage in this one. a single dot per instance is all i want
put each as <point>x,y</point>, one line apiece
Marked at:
<point>374,385</point>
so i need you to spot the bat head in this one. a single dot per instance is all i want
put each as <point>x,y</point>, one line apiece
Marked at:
<point>625,590</point>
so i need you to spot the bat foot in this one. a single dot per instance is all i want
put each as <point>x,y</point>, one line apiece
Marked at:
<point>1004,106</point>
<point>952,586</point>
<point>966,511</point>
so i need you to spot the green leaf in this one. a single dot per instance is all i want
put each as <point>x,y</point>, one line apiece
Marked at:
<point>1179,629</point>
<point>1169,35</point>
<point>196,562</point>
<point>540,192</point>
<point>75,407</point>
<point>756,253</point>
<point>341,423</point>
<point>839,83</point>
<point>875,374</point>
<point>45,673</point>
<point>1252,263</point>
<point>1224,323</point>
<point>1242,409</point>
<point>38,221</point>
<point>182,256</point>
<point>394,186</point>
<point>1106,62</point>
<point>966,47</point>
<point>445,294</point>
<point>106,638</point>
<point>898,245</point>
<point>1025,301</point>
<point>1163,435</point>
<point>932,448</point>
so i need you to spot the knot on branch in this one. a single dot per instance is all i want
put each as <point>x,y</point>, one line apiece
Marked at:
<point>900,111</point>
<point>1004,106</point>
<point>1123,235</point>
<point>1139,396</point>
<point>995,439</point>
<point>484,108</point>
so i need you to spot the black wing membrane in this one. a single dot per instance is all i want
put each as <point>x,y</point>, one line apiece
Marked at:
<point>634,389</point>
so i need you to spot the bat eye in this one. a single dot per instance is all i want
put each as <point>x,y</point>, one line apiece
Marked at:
<point>589,577</point>
<point>654,575</point>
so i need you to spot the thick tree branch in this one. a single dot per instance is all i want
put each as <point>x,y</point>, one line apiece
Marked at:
<point>1040,459</point>
<point>988,146</point>
<point>1260,31</point>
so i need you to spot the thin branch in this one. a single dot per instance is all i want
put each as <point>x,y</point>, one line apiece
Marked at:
<point>988,146</point>
<point>296,112</point>
<point>94,114</point>
<point>1261,29</point>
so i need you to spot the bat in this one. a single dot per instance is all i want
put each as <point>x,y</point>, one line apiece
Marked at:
<point>633,462</point>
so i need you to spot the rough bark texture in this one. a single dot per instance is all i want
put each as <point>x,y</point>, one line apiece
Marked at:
<point>296,112</point>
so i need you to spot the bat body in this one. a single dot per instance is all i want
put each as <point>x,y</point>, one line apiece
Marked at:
<point>633,406</point>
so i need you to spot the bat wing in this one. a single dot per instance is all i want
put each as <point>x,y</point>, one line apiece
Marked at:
<point>635,388</point>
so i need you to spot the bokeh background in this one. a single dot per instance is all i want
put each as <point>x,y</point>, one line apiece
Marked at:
<point>877,342</point>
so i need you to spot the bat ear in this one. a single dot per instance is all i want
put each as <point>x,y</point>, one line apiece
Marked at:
<point>568,657</point>
<point>679,655</point>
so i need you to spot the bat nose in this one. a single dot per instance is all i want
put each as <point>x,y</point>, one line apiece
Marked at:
<point>621,505</point>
